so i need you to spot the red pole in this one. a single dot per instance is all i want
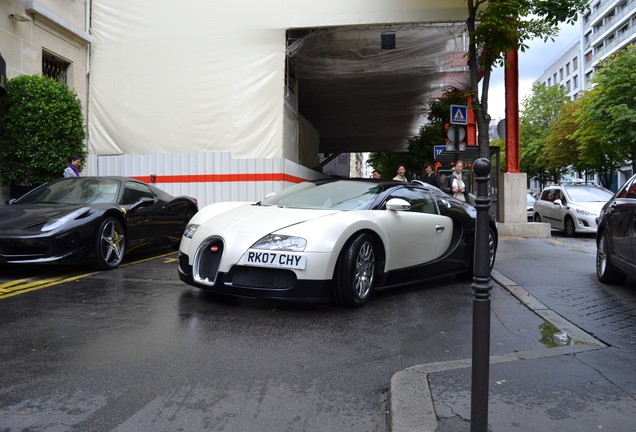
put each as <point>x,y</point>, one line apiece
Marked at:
<point>511,80</point>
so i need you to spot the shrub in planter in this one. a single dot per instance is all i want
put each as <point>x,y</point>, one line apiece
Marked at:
<point>41,125</point>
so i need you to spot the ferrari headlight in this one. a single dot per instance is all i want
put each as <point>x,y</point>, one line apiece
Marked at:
<point>584,212</point>
<point>58,222</point>
<point>190,230</point>
<point>281,243</point>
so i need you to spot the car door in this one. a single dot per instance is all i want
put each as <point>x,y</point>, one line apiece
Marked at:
<point>622,223</point>
<point>552,212</point>
<point>144,225</point>
<point>418,235</point>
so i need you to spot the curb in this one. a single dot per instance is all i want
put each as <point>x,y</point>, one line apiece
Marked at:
<point>411,406</point>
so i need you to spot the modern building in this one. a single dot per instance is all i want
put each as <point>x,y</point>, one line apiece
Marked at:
<point>608,26</point>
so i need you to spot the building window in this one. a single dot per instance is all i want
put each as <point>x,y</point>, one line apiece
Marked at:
<point>567,86</point>
<point>55,67</point>
<point>561,74</point>
<point>575,64</point>
<point>549,82</point>
<point>554,78</point>
<point>567,69</point>
<point>575,81</point>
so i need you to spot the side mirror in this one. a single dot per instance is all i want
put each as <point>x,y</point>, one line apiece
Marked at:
<point>11,201</point>
<point>558,202</point>
<point>398,204</point>
<point>445,202</point>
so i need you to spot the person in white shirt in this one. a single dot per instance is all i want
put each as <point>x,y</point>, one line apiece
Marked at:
<point>401,170</point>
<point>455,184</point>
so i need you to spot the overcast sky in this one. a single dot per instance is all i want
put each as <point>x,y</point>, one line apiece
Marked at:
<point>532,63</point>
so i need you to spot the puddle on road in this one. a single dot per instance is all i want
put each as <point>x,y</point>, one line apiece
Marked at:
<point>552,337</point>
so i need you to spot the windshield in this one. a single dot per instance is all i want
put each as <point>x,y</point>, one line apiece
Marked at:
<point>73,191</point>
<point>339,194</point>
<point>588,194</point>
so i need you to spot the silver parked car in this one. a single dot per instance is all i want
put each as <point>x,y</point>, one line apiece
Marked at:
<point>572,208</point>
<point>531,200</point>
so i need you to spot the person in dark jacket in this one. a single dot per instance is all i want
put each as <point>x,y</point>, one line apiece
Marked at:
<point>429,176</point>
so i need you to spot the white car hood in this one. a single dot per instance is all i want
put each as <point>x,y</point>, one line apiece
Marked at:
<point>242,226</point>
<point>594,206</point>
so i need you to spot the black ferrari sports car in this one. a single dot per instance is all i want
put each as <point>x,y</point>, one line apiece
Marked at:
<point>90,219</point>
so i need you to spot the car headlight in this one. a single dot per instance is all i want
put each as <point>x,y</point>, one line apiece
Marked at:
<point>584,212</point>
<point>190,230</point>
<point>58,222</point>
<point>281,243</point>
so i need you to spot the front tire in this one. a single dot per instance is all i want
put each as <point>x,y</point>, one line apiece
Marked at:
<point>110,244</point>
<point>605,270</point>
<point>355,273</point>
<point>568,226</point>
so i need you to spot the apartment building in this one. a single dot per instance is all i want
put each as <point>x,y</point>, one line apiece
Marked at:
<point>608,26</point>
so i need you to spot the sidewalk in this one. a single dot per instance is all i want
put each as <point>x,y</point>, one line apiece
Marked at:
<point>584,385</point>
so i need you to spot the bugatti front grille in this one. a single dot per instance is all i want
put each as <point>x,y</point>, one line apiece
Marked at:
<point>207,261</point>
<point>264,278</point>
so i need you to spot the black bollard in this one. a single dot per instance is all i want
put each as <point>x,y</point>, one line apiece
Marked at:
<point>481,303</point>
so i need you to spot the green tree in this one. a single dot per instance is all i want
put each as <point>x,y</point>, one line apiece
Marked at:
<point>614,104</point>
<point>538,112</point>
<point>496,27</point>
<point>561,150</point>
<point>41,125</point>
<point>597,150</point>
<point>421,146</point>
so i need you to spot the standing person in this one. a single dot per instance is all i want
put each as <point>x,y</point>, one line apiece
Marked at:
<point>376,174</point>
<point>429,176</point>
<point>72,170</point>
<point>401,170</point>
<point>455,184</point>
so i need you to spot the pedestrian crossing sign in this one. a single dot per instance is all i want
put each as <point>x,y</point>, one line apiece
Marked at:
<point>459,115</point>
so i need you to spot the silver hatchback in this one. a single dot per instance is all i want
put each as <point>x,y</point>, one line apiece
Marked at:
<point>572,208</point>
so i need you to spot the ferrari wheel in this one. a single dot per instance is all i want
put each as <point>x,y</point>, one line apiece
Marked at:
<point>605,270</point>
<point>110,245</point>
<point>568,227</point>
<point>355,274</point>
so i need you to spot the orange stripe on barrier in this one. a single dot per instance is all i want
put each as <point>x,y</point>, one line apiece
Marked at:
<point>210,178</point>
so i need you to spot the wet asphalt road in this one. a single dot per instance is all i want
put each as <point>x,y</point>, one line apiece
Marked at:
<point>135,349</point>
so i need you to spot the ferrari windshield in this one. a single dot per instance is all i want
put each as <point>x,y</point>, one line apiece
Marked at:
<point>327,194</point>
<point>73,191</point>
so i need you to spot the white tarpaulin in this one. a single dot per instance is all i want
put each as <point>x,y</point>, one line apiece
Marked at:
<point>209,75</point>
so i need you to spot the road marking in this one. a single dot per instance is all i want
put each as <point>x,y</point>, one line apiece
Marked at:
<point>21,286</point>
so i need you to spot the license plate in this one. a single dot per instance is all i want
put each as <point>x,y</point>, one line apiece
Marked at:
<point>274,259</point>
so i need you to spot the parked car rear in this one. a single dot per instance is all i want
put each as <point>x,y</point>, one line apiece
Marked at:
<point>616,236</point>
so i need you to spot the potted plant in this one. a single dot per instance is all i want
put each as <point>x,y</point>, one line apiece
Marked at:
<point>41,125</point>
